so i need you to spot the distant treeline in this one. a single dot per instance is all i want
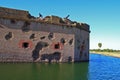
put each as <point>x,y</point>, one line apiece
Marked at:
<point>105,50</point>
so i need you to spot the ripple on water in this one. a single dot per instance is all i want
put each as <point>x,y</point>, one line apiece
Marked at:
<point>104,67</point>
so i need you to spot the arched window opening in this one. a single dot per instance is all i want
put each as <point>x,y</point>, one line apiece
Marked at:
<point>13,21</point>
<point>57,46</point>
<point>25,45</point>
<point>50,36</point>
<point>62,41</point>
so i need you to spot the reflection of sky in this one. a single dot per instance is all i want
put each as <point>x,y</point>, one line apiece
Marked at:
<point>102,15</point>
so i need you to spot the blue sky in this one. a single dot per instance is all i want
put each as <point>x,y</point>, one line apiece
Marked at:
<point>102,15</point>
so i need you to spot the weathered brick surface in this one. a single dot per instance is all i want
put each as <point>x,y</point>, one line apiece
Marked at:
<point>22,41</point>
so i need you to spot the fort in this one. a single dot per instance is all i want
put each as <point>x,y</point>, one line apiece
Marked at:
<point>25,38</point>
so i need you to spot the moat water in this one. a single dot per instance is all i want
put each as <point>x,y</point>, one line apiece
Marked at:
<point>99,68</point>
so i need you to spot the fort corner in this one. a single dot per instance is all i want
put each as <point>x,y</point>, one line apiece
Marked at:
<point>25,38</point>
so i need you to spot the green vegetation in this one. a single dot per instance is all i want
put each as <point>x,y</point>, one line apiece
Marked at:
<point>104,50</point>
<point>107,52</point>
<point>99,45</point>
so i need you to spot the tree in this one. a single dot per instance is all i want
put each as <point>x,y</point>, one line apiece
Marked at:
<point>99,45</point>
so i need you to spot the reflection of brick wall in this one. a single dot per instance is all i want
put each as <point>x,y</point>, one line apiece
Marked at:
<point>13,13</point>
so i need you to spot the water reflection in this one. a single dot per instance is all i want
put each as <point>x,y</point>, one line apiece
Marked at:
<point>44,71</point>
<point>99,68</point>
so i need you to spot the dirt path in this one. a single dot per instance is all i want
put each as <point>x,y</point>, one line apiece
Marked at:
<point>114,54</point>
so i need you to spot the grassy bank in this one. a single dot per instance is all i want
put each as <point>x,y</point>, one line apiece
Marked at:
<point>113,54</point>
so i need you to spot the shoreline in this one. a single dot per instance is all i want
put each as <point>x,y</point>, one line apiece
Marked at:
<point>112,54</point>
